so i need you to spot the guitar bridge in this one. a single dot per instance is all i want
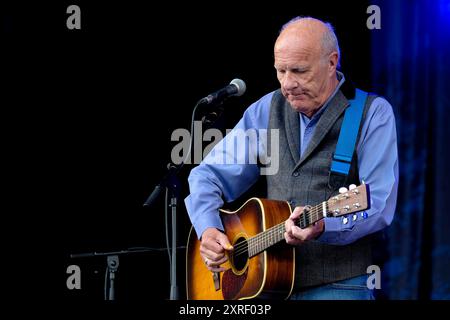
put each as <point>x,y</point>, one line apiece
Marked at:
<point>216,280</point>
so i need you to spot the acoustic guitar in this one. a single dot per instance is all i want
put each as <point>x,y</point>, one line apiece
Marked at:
<point>261,264</point>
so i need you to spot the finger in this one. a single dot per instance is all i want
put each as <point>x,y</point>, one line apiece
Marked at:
<point>288,224</point>
<point>215,266</point>
<point>224,242</point>
<point>300,234</point>
<point>217,242</point>
<point>217,263</point>
<point>296,213</point>
<point>291,240</point>
<point>212,244</point>
<point>211,255</point>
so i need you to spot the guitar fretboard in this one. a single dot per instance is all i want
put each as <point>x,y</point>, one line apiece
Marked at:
<point>275,234</point>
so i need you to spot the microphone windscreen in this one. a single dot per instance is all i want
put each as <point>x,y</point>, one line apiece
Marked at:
<point>240,84</point>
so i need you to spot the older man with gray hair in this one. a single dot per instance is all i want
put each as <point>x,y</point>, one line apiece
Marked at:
<point>333,254</point>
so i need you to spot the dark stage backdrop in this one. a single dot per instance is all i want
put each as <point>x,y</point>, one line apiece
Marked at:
<point>409,67</point>
<point>95,109</point>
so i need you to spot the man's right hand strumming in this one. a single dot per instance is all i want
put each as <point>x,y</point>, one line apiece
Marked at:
<point>213,246</point>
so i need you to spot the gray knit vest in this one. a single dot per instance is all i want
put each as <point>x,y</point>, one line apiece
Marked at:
<point>307,181</point>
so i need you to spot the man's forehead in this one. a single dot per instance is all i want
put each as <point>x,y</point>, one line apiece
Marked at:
<point>297,46</point>
<point>294,57</point>
<point>293,65</point>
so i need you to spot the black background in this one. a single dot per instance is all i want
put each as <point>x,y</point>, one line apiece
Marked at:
<point>90,114</point>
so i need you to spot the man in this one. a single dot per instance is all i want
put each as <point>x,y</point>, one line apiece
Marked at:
<point>333,254</point>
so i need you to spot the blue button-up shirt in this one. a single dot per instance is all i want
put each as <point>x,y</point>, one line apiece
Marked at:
<point>210,182</point>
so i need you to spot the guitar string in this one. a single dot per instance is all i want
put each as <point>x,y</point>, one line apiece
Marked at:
<point>261,238</point>
<point>264,237</point>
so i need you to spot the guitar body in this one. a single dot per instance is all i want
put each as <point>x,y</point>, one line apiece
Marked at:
<point>266,274</point>
<point>261,264</point>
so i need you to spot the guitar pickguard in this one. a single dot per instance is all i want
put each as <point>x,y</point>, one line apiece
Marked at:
<point>232,284</point>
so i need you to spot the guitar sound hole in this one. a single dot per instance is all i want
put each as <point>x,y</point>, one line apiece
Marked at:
<point>240,254</point>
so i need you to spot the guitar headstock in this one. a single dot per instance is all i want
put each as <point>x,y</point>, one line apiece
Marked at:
<point>353,200</point>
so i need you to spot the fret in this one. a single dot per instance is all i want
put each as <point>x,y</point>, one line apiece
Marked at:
<point>263,242</point>
<point>275,234</point>
<point>266,239</point>
<point>280,232</point>
<point>257,245</point>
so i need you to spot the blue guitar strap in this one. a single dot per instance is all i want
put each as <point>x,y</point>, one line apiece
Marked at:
<point>345,147</point>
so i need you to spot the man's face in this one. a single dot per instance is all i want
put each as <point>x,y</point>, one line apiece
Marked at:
<point>303,72</point>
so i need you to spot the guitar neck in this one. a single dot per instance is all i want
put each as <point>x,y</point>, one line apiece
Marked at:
<point>354,200</point>
<point>275,234</point>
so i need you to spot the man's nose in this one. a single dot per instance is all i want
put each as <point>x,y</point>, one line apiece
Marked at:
<point>289,81</point>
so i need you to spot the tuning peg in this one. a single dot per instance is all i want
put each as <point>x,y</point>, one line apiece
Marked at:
<point>352,186</point>
<point>342,190</point>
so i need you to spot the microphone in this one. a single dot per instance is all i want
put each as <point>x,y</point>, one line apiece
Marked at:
<point>236,87</point>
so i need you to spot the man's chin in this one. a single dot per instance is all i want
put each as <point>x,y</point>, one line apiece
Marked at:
<point>298,105</point>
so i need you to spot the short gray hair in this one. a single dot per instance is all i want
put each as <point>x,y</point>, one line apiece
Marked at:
<point>329,40</point>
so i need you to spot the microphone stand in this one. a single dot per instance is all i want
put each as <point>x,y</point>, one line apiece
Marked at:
<point>112,266</point>
<point>171,183</point>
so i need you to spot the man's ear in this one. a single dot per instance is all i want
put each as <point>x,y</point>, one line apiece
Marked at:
<point>333,61</point>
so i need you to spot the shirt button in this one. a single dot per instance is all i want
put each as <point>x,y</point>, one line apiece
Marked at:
<point>345,220</point>
<point>295,174</point>
<point>354,217</point>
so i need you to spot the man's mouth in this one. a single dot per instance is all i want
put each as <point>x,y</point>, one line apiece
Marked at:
<point>297,96</point>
